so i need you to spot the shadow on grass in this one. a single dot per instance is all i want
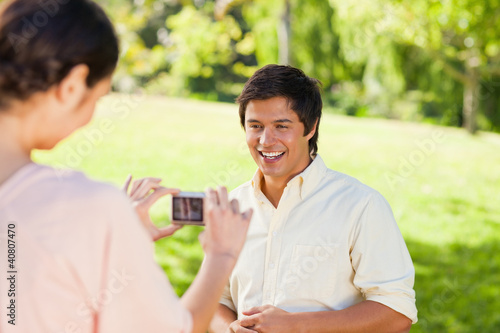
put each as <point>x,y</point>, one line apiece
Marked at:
<point>458,287</point>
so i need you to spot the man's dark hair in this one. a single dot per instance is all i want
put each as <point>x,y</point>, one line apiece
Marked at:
<point>302,92</point>
<point>40,42</point>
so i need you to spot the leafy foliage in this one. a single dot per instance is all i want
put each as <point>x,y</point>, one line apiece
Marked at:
<point>432,61</point>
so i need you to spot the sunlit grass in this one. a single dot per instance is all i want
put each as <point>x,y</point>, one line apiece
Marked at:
<point>442,184</point>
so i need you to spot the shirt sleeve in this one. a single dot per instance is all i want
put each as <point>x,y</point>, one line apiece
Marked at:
<point>135,295</point>
<point>226,298</point>
<point>380,258</point>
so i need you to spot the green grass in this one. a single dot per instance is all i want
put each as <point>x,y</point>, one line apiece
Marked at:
<point>445,195</point>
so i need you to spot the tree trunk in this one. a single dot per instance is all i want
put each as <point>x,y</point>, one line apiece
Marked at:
<point>491,106</point>
<point>285,35</point>
<point>471,102</point>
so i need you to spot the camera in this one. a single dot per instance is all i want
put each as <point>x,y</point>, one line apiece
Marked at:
<point>187,208</point>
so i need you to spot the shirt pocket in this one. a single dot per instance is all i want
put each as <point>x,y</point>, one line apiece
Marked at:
<point>312,272</point>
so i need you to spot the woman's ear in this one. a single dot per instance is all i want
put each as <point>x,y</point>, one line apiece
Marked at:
<point>71,90</point>
<point>313,130</point>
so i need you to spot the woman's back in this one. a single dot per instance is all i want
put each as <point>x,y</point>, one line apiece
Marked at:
<point>81,255</point>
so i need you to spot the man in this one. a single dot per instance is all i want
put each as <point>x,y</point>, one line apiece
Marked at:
<point>323,252</point>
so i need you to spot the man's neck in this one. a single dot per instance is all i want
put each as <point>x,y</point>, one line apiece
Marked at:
<point>273,187</point>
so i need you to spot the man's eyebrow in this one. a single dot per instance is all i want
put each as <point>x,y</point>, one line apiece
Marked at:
<point>282,121</point>
<point>273,122</point>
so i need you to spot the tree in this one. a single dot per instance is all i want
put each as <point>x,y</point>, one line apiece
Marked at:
<point>295,32</point>
<point>284,30</point>
<point>460,35</point>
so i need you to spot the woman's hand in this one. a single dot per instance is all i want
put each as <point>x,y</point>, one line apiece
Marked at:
<point>226,227</point>
<point>144,193</point>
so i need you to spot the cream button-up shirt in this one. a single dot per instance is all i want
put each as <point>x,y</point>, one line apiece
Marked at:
<point>332,242</point>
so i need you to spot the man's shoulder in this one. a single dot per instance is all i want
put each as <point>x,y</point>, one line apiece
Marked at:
<point>339,182</point>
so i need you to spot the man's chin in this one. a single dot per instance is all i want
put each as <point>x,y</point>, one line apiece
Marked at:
<point>270,171</point>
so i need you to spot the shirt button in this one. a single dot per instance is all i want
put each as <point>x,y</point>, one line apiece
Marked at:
<point>271,265</point>
<point>274,233</point>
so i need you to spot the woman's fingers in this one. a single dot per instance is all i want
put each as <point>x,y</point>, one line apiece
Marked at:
<point>127,183</point>
<point>201,237</point>
<point>144,193</point>
<point>235,206</point>
<point>141,187</point>
<point>211,198</point>
<point>247,215</point>
<point>223,197</point>
<point>135,185</point>
<point>158,192</point>
<point>168,231</point>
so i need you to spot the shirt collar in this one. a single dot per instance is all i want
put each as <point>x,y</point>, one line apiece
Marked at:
<point>307,180</point>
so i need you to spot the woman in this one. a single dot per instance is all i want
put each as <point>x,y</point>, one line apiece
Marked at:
<point>75,253</point>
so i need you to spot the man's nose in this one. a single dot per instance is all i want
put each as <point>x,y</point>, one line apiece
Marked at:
<point>267,138</point>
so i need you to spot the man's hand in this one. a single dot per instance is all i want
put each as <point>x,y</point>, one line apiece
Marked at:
<point>236,327</point>
<point>266,319</point>
<point>144,193</point>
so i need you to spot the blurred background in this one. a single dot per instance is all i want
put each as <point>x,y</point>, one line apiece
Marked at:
<point>420,60</point>
<point>405,84</point>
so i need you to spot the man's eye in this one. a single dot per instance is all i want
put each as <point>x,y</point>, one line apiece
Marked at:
<point>281,126</point>
<point>255,126</point>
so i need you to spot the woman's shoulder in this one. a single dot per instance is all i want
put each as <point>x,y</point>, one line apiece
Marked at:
<point>66,209</point>
<point>40,183</point>
<point>78,187</point>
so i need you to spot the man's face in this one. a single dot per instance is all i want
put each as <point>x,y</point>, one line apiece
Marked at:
<point>275,137</point>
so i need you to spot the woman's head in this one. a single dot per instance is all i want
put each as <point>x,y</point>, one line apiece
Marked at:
<point>42,41</point>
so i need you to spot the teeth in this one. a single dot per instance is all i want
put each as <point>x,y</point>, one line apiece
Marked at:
<point>272,154</point>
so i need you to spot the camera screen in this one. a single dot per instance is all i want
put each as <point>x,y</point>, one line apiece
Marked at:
<point>187,209</point>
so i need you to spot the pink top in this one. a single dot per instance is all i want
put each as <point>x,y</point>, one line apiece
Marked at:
<point>81,260</point>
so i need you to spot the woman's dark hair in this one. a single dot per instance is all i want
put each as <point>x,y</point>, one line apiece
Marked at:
<point>42,40</point>
<point>302,92</point>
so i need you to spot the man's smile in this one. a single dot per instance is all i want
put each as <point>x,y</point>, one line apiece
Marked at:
<point>271,156</point>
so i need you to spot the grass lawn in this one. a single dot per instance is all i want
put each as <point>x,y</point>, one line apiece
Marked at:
<point>443,186</point>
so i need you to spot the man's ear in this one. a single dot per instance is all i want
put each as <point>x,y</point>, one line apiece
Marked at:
<point>313,130</point>
<point>71,90</point>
